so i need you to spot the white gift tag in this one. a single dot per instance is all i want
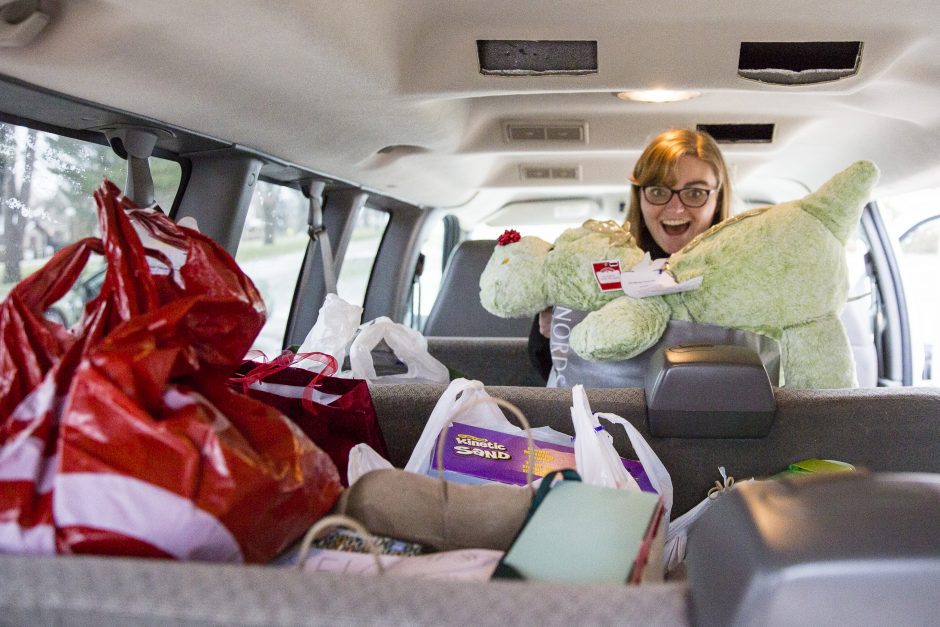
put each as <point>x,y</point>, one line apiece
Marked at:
<point>653,278</point>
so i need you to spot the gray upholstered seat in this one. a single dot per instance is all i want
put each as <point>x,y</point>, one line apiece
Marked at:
<point>879,429</point>
<point>83,590</point>
<point>457,312</point>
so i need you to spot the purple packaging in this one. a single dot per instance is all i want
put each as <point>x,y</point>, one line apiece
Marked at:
<point>484,454</point>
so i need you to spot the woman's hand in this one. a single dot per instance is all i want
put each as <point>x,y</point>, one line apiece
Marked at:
<point>545,322</point>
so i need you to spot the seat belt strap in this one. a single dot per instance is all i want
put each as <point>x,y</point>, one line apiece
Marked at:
<point>318,234</point>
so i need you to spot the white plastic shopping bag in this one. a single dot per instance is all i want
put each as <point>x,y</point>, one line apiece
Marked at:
<point>460,393</point>
<point>596,470</point>
<point>362,459</point>
<point>655,470</point>
<point>408,345</point>
<point>677,536</point>
<point>333,331</point>
<point>598,461</point>
<point>600,467</point>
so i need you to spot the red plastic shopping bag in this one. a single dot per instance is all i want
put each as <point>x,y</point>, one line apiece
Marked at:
<point>30,345</point>
<point>191,455</point>
<point>336,413</point>
<point>133,444</point>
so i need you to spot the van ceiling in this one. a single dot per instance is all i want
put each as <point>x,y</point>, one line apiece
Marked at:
<point>389,93</point>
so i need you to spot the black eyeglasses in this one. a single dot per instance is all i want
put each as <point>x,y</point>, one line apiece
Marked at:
<point>691,197</point>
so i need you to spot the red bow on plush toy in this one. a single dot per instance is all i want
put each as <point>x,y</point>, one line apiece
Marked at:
<point>509,236</point>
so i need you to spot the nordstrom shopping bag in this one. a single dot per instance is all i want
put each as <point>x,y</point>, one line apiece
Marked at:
<point>336,413</point>
<point>133,443</point>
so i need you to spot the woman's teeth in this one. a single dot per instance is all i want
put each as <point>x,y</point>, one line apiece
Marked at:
<point>675,227</point>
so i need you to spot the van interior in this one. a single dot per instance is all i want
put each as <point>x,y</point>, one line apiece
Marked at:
<point>378,149</point>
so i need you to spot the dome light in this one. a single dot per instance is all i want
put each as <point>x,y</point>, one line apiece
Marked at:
<point>658,95</point>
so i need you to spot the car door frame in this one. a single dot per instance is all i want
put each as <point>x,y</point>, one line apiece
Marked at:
<point>893,329</point>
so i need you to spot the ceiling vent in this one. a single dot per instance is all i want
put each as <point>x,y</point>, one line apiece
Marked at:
<point>545,131</point>
<point>799,62</point>
<point>739,133</point>
<point>501,57</point>
<point>550,172</point>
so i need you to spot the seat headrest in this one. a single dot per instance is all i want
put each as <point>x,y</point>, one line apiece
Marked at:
<point>457,311</point>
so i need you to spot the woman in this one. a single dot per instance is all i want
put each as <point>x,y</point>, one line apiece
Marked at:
<point>680,188</point>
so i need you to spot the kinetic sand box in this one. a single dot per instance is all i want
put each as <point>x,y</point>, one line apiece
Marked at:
<point>477,455</point>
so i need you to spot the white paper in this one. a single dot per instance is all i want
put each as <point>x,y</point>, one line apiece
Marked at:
<point>652,278</point>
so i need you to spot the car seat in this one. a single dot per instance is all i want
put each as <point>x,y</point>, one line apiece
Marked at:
<point>457,312</point>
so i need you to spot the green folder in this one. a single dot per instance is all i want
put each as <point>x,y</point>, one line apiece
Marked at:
<point>586,534</point>
<point>813,466</point>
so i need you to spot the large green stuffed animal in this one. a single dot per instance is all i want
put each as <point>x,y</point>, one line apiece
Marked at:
<point>779,271</point>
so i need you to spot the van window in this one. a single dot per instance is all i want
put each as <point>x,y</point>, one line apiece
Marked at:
<point>426,286</point>
<point>353,278</point>
<point>46,186</point>
<point>271,252</point>
<point>546,219</point>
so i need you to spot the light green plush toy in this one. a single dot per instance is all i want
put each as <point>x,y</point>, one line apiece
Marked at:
<point>779,271</point>
<point>513,282</point>
<point>527,274</point>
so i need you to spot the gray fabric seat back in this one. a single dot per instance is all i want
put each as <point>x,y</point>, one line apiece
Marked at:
<point>492,360</point>
<point>85,590</point>
<point>880,429</point>
<point>457,312</point>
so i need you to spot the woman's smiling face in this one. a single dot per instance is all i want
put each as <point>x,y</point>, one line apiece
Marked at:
<point>673,225</point>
